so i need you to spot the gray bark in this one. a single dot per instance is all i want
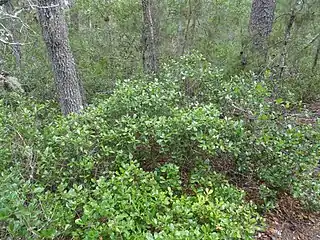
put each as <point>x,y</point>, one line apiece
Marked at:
<point>261,21</point>
<point>150,39</point>
<point>55,34</point>
<point>2,2</point>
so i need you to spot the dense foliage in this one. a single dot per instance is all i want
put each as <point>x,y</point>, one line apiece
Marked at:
<point>79,175</point>
<point>203,147</point>
<point>129,204</point>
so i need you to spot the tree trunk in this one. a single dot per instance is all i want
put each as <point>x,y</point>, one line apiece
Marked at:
<point>287,35</point>
<point>195,17</point>
<point>55,34</point>
<point>150,37</point>
<point>180,37</point>
<point>186,33</point>
<point>260,26</point>
<point>316,57</point>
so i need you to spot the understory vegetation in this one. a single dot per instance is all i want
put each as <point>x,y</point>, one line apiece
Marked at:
<point>146,161</point>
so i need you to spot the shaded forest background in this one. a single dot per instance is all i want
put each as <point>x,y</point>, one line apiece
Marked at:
<point>106,40</point>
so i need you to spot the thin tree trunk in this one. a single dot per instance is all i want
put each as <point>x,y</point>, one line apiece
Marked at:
<point>180,37</point>
<point>316,58</point>
<point>195,16</point>
<point>285,43</point>
<point>55,34</point>
<point>260,26</point>
<point>150,37</point>
<point>186,33</point>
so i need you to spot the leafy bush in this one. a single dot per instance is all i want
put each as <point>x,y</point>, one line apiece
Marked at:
<point>284,156</point>
<point>63,168</point>
<point>133,205</point>
<point>129,204</point>
<point>22,122</point>
<point>90,144</point>
<point>27,212</point>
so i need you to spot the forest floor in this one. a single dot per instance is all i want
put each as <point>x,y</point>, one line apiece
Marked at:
<point>289,221</point>
<point>315,108</point>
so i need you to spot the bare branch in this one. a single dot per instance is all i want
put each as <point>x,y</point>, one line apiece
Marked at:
<point>11,43</point>
<point>312,41</point>
<point>45,7</point>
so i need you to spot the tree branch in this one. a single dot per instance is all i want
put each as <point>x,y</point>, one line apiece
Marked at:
<point>10,43</point>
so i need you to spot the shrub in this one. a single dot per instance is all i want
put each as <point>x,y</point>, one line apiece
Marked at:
<point>90,144</point>
<point>129,204</point>
<point>134,205</point>
<point>63,168</point>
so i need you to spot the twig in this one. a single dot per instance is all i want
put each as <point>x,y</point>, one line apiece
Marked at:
<point>11,43</point>
<point>312,41</point>
<point>44,7</point>
<point>248,112</point>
